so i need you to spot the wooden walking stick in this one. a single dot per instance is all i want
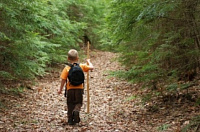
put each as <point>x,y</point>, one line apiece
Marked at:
<point>88,93</point>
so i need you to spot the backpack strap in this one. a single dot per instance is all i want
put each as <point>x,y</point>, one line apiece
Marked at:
<point>69,64</point>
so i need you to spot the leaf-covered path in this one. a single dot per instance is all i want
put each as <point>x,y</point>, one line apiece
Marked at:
<point>42,109</point>
<point>111,108</point>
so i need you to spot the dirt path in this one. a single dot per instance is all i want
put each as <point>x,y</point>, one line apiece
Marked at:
<point>41,109</point>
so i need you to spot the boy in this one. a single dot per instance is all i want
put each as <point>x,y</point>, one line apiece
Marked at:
<point>74,93</point>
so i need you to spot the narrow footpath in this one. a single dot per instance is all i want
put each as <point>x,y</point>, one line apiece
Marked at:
<point>112,109</point>
<point>42,109</point>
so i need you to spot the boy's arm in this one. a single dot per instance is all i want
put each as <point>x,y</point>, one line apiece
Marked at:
<point>61,86</point>
<point>90,65</point>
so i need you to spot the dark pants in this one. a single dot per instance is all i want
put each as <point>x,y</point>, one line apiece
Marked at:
<point>74,101</point>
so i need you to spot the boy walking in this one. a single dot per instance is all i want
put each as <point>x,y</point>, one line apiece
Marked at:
<point>73,85</point>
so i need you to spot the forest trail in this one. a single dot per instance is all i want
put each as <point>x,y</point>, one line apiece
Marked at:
<point>42,109</point>
<point>111,108</point>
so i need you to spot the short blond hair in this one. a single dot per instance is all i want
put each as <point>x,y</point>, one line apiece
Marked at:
<point>72,55</point>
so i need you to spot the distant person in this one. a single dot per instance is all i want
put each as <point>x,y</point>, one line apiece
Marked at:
<point>73,76</point>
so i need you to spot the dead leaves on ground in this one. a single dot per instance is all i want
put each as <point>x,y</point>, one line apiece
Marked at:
<point>114,106</point>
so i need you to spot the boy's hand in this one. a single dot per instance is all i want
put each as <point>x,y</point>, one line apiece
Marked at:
<point>59,92</point>
<point>61,86</point>
<point>88,60</point>
<point>91,67</point>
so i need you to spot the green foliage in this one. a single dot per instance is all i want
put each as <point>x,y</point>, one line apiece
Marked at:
<point>5,75</point>
<point>197,101</point>
<point>163,127</point>
<point>36,34</point>
<point>91,13</point>
<point>172,87</point>
<point>156,39</point>
<point>146,98</point>
<point>33,35</point>
<point>193,125</point>
<point>12,91</point>
<point>16,91</point>
<point>131,98</point>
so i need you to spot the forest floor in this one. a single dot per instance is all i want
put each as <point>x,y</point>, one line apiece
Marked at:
<point>115,105</point>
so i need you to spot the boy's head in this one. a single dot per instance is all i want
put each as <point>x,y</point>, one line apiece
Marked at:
<point>72,55</point>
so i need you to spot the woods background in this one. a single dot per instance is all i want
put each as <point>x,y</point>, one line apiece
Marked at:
<point>158,40</point>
